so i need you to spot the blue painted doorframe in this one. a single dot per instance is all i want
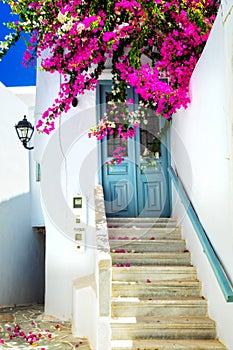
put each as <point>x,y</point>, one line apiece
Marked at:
<point>133,188</point>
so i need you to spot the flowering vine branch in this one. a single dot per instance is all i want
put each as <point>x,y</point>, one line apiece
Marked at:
<point>76,37</point>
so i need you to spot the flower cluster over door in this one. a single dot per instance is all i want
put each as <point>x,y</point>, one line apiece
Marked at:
<point>78,36</point>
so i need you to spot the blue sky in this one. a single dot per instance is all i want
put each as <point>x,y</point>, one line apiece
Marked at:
<point>12,72</point>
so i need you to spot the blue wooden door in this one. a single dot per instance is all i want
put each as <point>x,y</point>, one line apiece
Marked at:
<point>136,187</point>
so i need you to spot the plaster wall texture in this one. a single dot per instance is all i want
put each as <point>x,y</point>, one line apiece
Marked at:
<point>201,147</point>
<point>14,160</point>
<point>21,258</point>
<point>68,160</point>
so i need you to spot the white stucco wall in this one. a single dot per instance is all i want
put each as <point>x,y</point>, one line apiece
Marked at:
<point>21,258</point>
<point>27,95</point>
<point>65,174</point>
<point>68,161</point>
<point>201,143</point>
<point>13,155</point>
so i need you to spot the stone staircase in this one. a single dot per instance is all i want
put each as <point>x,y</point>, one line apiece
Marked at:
<point>156,297</point>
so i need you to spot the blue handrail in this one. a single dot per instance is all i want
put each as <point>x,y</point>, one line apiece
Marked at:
<point>218,269</point>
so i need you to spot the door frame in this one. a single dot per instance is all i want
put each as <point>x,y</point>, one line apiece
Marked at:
<point>167,145</point>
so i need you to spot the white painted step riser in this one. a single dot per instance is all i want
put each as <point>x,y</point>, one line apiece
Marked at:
<point>149,245</point>
<point>117,221</point>
<point>182,260</point>
<point>148,262</point>
<point>160,344</point>
<point>128,328</point>
<point>124,276</point>
<point>151,332</point>
<point>137,222</point>
<point>151,255</point>
<point>124,310</point>
<point>144,227</point>
<point>144,233</point>
<point>154,273</point>
<point>136,291</point>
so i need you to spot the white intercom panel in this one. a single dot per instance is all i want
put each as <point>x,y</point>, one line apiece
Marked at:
<point>79,230</point>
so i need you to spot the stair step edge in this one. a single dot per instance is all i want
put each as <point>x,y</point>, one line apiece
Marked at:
<point>160,300</point>
<point>168,344</point>
<point>162,283</point>
<point>189,320</point>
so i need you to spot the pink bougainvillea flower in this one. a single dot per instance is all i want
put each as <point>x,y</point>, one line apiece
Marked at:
<point>148,280</point>
<point>79,38</point>
<point>127,265</point>
<point>78,344</point>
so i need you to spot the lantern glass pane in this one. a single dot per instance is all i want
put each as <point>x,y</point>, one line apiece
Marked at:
<point>23,132</point>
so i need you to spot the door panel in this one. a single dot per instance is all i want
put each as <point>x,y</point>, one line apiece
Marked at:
<point>151,197</point>
<point>119,196</point>
<point>152,179</point>
<point>119,183</point>
<point>152,193</point>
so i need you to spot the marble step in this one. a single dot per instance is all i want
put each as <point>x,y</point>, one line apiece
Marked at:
<point>156,289</point>
<point>167,344</point>
<point>153,273</point>
<point>144,245</point>
<point>141,222</point>
<point>129,328</point>
<point>144,233</point>
<point>140,219</point>
<point>132,306</point>
<point>150,258</point>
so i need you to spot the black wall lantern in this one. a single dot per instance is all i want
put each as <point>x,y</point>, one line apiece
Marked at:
<point>24,131</point>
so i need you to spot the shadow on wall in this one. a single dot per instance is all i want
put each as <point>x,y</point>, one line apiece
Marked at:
<point>22,254</point>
